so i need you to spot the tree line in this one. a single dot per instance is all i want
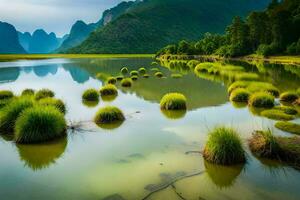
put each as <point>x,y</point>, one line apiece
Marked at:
<point>273,31</point>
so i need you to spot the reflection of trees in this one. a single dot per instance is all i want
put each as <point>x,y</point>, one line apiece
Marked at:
<point>40,156</point>
<point>223,176</point>
<point>78,74</point>
<point>9,74</point>
<point>44,70</point>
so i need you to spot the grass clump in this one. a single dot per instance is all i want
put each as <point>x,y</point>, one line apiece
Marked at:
<point>193,63</point>
<point>127,82</point>
<point>40,124</point>
<point>176,75</point>
<point>287,110</point>
<point>261,100</point>
<point>57,103</point>
<point>254,86</point>
<point>246,76</point>
<point>6,94</point>
<point>146,76</point>
<point>108,90</point>
<point>224,147</point>
<point>134,73</point>
<point>109,115</point>
<point>28,92</point>
<point>124,70</point>
<point>134,78</point>
<point>154,63</point>
<point>111,80</point>
<point>90,95</point>
<point>159,74</point>
<point>155,69</point>
<point>240,95</point>
<point>142,70</point>
<point>297,102</point>
<point>120,78</point>
<point>11,112</point>
<point>173,101</point>
<point>277,115</point>
<point>44,93</point>
<point>289,97</point>
<point>288,127</point>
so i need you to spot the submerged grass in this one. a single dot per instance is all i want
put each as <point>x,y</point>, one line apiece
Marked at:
<point>173,101</point>
<point>40,124</point>
<point>224,147</point>
<point>108,115</point>
<point>288,127</point>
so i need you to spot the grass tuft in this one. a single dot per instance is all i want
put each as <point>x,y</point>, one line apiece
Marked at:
<point>28,92</point>
<point>173,101</point>
<point>146,76</point>
<point>40,124</point>
<point>57,103</point>
<point>109,115</point>
<point>277,115</point>
<point>254,86</point>
<point>127,82</point>
<point>288,127</point>
<point>124,70</point>
<point>142,70</point>
<point>111,80</point>
<point>224,147</point>
<point>120,78</point>
<point>159,74</point>
<point>289,97</point>
<point>134,73</point>
<point>44,93</point>
<point>176,75</point>
<point>134,78</point>
<point>240,95</point>
<point>6,94</point>
<point>261,100</point>
<point>109,90</point>
<point>90,95</point>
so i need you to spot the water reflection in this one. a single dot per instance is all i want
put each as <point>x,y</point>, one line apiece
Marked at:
<point>109,98</point>
<point>90,104</point>
<point>41,156</point>
<point>9,74</point>
<point>174,114</point>
<point>78,74</point>
<point>110,126</point>
<point>44,70</point>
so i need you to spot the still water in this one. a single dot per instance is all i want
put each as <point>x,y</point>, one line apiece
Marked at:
<point>147,152</point>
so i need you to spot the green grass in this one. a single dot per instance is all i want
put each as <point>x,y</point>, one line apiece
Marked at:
<point>240,95</point>
<point>176,76</point>
<point>40,124</point>
<point>57,103</point>
<point>108,115</point>
<point>124,70</point>
<point>4,102</point>
<point>11,112</point>
<point>6,94</point>
<point>28,92</point>
<point>246,76</point>
<point>90,95</point>
<point>111,80</point>
<point>224,147</point>
<point>173,101</point>
<point>155,69</point>
<point>134,73</point>
<point>44,93</point>
<point>289,97</point>
<point>90,104</point>
<point>193,63</point>
<point>288,127</point>
<point>154,63</point>
<point>287,110</point>
<point>127,82</point>
<point>159,74</point>
<point>120,78</point>
<point>261,100</point>
<point>134,78</point>
<point>142,70</point>
<point>277,115</point>
<point>254,86</point>
<point>109,90</point>
<point>146,76</point>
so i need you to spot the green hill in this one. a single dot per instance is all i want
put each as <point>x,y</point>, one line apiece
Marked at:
<point>151,24</point>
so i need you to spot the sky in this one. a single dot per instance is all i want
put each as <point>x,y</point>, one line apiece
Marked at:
<point>52,15</point>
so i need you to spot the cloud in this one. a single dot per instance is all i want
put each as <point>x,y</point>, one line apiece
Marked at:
<point>52,15</point>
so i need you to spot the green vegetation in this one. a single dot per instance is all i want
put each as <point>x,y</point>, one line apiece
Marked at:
<point>297,102</point>
<point>240,95</point>
<point>134,73</point>
<point>287,110</point>
<point>173,101</point>
<point>111,80</point>
<point>124,70</point>
<point>154,69</point>
<point>11,112</point>
<point>142,70</point>
<point>108,90</point>
<point>159,74</point>
<point>289,97</point>
<point>176,76</point>
<point>28,92</point>
<point>253,86</point>
<point>154,63</point>
<point>134,78</point>
<point>224,147</point>
<point>288,127</point>
<point>57,103</point>
<point>40,124</point>
<point>277,115</point>
<point>261,100</point>
<point>146,76</point>
<point>5,94</point>
<point>120,78</point>
<point>127,82</point>
<point>44,93</point>
<point>109,115</point>
<point>193,63</point>
<point>174,114</point>
<point>90,95</point>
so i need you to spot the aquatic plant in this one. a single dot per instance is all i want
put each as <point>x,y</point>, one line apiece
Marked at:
<point>154,63</point>
<point>124,70</point>
<point>193,63</point>
<point>254,86</point>
<point>134,73</point>
<point>127,82</point>
<point>109,115</point>
<point>57,103</point>
<point>288,127</point>
<point>176,75</point>
<point>111,80</point>
<point>134,78</point>
<point>154,69</point>
<point>261,100</point>
<point>90,95</point>
<point>159,74</point>
<point>28,92</point>
<point>40,124</point>
<point>277,115</point>
<point>142,70</point>
<point>246,76</point>
<point>6,94</point>
<point>120,78</point>
<point>44,93</point>
<point>240,95</point>
<point>108,89</point>
<point>224,147</point>
<point>289,97</point>
<point>146,76</point>
<point>11,112</point>
<point>173,101</point>
<point>287,110</point>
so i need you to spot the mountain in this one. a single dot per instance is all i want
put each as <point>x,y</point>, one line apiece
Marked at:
<point>151,24</point>
<point>24,39</point>
<point>42,42</point>
<point>9,41</point>
<point>80,30</point>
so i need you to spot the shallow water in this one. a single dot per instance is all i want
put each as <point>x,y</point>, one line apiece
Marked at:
<point>148,150</point>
